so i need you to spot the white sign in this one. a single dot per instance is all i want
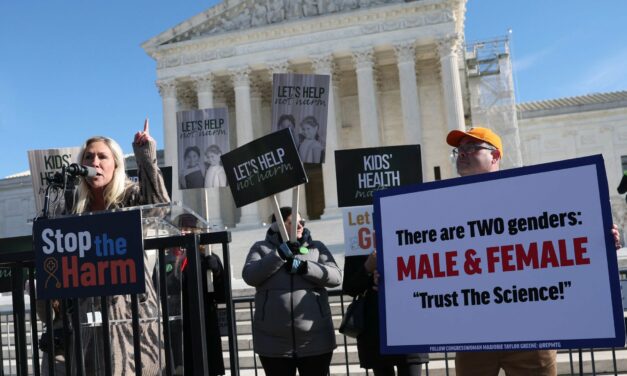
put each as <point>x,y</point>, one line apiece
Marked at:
<point>44,164</point>
<point>518,259</point>
<point>359,237</point>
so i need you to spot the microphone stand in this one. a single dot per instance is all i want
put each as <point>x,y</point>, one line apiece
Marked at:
<point>57,181</point>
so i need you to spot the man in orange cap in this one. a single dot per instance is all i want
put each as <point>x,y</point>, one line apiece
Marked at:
<point>478,151</point>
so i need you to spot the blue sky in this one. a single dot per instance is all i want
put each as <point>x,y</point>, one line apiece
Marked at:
<point>71,69</point>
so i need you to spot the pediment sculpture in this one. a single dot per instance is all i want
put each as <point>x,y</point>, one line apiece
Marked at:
<point>256,13</point>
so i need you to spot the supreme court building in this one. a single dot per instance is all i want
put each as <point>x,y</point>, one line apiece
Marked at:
<point>395,79</point>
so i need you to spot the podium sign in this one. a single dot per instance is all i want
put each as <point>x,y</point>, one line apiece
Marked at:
<point>89,255</point>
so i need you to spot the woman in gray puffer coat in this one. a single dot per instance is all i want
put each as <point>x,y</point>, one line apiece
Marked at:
<point>292,327</point>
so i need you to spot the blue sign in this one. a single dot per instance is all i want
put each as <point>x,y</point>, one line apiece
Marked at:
<point>90,255</point>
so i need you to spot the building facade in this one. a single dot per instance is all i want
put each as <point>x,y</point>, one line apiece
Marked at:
<point>395,79</point>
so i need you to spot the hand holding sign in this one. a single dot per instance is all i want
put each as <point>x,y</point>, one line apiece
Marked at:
<point>371,262</point>
<point>616,236</point>
<point>142,137</point>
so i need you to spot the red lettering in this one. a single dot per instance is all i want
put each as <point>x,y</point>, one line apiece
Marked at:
<point>450,264</point>
<point>364,239</point>
<point>406,270</point>
<point>70,271</point>
<point>437,270</point>
<point>507,258</point>
<point>493,258</point>
<point>580,251</point>
<point>125,269</point>
<point>88,274</point>
<point>564,260</point>
<point>530,257</point>
<point>549,258</point>
<point>424,267</point>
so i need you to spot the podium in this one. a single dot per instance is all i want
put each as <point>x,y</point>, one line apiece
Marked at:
<point>170,233</point>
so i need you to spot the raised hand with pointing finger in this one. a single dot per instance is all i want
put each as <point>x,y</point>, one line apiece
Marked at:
<point>142,137</point>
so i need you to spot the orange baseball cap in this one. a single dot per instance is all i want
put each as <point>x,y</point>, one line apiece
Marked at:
<point>478,133</point>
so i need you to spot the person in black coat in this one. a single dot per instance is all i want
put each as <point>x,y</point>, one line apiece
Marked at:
<point>359,279</point>
<point>209,262</point>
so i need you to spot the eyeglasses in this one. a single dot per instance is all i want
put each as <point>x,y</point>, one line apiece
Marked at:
<point>301,222</point>
<point>469,149</point>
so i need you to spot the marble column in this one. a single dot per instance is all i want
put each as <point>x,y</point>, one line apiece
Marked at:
<point>451,84</point>
<point>325,65</point>
<point>277,67</point>
<point>167,90</point>
<point>410,100</point>
<point>366,87</point>
<point>241,85</point>
<point>211,199</point>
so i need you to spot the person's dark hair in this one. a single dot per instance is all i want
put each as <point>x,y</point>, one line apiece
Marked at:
<point>191,149</point>
<point>287,117</point>
<point>286,211</point>
<point>311,121</point>
<point>187,220</point>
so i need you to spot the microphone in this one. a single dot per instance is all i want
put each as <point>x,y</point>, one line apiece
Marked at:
<point>78,170</point>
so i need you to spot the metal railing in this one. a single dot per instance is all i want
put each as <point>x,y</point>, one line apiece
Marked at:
<point>20,331</point>
<point>17,255</point>
<point>579,361</point>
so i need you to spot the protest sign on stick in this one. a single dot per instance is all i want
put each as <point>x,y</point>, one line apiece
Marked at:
<point>203,136</point>
<point>520,259</point>
<point>359,237</point>
<point>263,167</point>
<point>361,172</point>
<point>300,103</point>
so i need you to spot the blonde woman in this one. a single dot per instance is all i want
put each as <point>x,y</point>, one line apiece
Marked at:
<point>111,189</point>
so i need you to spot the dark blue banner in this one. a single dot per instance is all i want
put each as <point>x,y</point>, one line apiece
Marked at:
<point>90,255</point>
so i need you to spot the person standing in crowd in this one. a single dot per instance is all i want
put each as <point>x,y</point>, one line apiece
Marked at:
<point>215,176</point>
<point>292,326</point>
<point>111,189</point>
<point>479,151</point>
<point>359,280</point>
<point>192,175</point>
<point>310,148</point>
<point>209,262</point>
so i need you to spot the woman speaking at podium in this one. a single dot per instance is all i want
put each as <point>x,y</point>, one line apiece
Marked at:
<point>111,189</point>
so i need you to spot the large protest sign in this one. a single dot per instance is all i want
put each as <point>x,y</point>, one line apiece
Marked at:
<point>203,136</point>
<point>90,255</point>
<point>263,167</point>
<point>300,103</point>
<point>361,172</point>
<point>44,164</point>
<point>358,230</point>
<point>517,259</point>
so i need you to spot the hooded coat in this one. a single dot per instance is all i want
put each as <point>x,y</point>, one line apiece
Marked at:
<point>292,314</point>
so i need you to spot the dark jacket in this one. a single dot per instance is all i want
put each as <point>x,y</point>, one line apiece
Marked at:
<point>212,330</point>
<point>358,281</point>
<point>292,314</point>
